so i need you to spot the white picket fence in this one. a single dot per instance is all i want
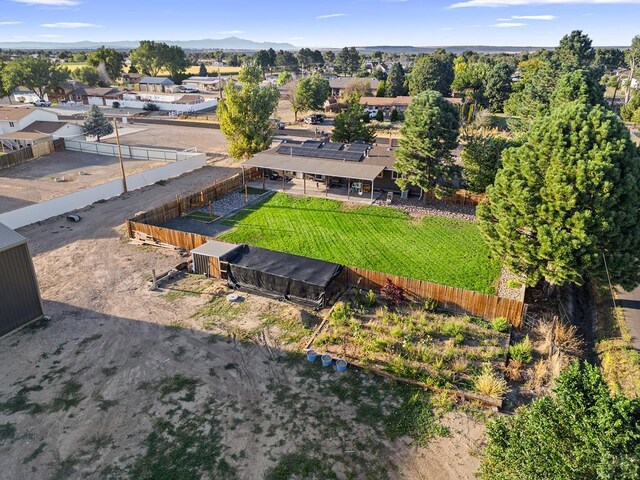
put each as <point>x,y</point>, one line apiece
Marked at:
<point>183,163</point>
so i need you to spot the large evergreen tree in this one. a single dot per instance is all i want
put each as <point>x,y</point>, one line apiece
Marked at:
<point>498,86</point>
<point>482,158</point>
<point>580,85</point>
<point>428,134</point>
<point>395,83</point>
<point>567,197</point>
<point>575,52</point>
<point>349,125</point>
<point>432,72</point>
<point>581,432</point>
<point>244,115</point>
<point>96,124</point>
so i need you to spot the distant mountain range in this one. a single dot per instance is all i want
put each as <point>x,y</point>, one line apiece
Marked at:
<point>241,44</point>
<point>230,43</point>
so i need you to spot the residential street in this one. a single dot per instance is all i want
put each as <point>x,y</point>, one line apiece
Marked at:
<point>630,303</point>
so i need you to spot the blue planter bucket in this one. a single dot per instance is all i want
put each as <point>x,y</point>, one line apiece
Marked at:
<point>341,365</point>
<point>312,355</point>
<point>326,360</point>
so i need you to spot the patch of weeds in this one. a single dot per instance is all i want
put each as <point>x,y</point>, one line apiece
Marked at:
<point>414,418</point>
<point>109,371</point>
<point>65,468</point>
<point>179,353</point>
<point>102,403</point>
<point>176,324</point>
<point>7,431</point>
<point>513,283</point>
<point>500,324</point>
<point>60,348</point>
<point>54,373</point>
<point>36,326</point>
<point>86,341</point>
<point>20,402</point>
<point>231,366</point>
<point>291,328</point>
<point>176,384</point>
<point>188,450</point>
<point>299,465</point>
<point>218,308</point>
<point>522,351</point>
<point>35,454</point>
<point>69,397</point>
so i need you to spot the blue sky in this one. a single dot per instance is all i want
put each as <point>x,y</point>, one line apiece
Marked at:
<point>323,23</point>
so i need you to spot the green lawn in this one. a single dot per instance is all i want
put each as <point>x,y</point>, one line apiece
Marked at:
<point>440,250</point>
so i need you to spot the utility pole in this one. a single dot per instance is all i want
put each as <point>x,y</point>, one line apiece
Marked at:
<point>124,176</point>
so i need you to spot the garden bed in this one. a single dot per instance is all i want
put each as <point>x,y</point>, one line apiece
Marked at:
<point>413,342</point>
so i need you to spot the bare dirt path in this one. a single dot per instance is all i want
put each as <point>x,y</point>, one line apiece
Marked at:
<point>124,383</point>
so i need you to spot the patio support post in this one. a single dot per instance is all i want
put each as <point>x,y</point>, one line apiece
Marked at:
<point>326,186</point>
<point>283,180</point>
<point>348,188</point>
<point>372,182</point>
<point>262,178</point>
<point>244,184</point>
<point>304,184</point>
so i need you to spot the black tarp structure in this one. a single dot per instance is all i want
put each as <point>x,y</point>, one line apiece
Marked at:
<point>281,275</point>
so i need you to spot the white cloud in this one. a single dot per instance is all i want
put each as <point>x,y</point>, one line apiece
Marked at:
<point>230,32</point>
<point>516,3</point>
<point>508,25</point>
<point>331,15</point>
<point>50,3</point>
<point>70,25</point>
<point>535,17</point>
<point>50,36</point>
<point>10,23</point>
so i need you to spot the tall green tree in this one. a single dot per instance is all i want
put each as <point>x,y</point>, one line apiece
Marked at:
<point>631,111</point>
<point>579,85</point>
<point>575,51</point>
<point>498,86</point>
<point>347,61</point>
<point>310,94</point>
<point>202,71</point>
<point>148,57</point>
<point>39,75</point>
<point>567,197</point>
<point>110,59</point>
<point>5,91</point>
<point>580,432</point>
<point>532,93</point>
<point>349,125</point>
<point>632,56</point>
<point>96,124</point>
<point>175,61</point>
<point>482,158</point>
<point>244,114</point>
<point>395,84</point>
<point>432,72</point>
<point>428,135</point>
<point>284,77</point>
<point>286,60</point>
<point>609,58</point>
<point>88,75</point>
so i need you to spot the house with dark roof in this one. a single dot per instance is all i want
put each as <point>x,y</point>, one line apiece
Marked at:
<point>340,84</point>
<point>95,95</point>
<point>358,170</point>
<point>155,84</point>
<point>55,129</point>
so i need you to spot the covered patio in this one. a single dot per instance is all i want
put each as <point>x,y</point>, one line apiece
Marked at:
<point>340,180</point>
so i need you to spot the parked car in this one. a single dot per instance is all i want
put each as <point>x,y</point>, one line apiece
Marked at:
<point>190,90</point>
<point>371,111</point>
<point>319,117</point>
<point>42,103</point>
<point>311,119</point>
<point>273,175</point>
<point>279,124</point>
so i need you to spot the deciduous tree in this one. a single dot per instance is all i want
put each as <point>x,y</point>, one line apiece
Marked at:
<point>244,115</point>
<point>632,56</point>
<point>108,58</point>
<point>428,134</point>
<point>310,94</point>
<point>39,75</point>
<point>432,72</point>
<point>566,198</point>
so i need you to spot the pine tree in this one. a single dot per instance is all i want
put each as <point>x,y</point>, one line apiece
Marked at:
<point>96,124</point>
<point>567,198</point>
<point>203,71</point>
<point>482,158</point>
<point>349,125</point>
<point>428,134</point>
<point>498,86</point>
<point>395,81</point>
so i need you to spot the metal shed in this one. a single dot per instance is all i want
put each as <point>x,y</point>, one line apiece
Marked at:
<point>20,301</point>
<point>207,258</point>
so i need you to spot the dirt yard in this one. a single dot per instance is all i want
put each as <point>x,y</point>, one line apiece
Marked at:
<point>127,383</point>
<point>206,139</point>
<point>35,181</point>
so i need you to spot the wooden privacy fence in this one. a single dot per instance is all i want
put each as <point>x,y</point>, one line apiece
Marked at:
<point>449,298</point>
<point>461,197</point>
<point>16,157</point>
<point>165,236</point>
<point>174,209</point>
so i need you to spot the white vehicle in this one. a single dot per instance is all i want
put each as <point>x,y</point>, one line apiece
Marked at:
<point>190,90</point>
<point>42,103</point>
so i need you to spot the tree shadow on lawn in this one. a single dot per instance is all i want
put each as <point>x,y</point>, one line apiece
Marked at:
<point>118,398</point>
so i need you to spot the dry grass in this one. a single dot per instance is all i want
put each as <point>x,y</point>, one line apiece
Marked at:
<point>513,371</point>
<point>490,384</point>
<point>564,336</point>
